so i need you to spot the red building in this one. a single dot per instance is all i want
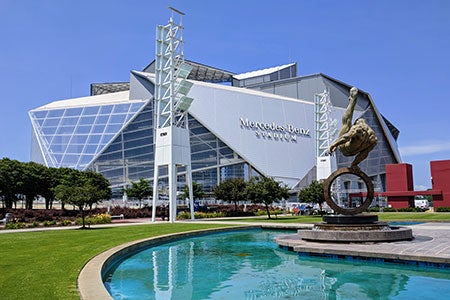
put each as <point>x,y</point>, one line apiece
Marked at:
<point>400,186</point>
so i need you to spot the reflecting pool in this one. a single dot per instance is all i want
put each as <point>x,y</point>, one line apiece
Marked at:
<point>249,265</point>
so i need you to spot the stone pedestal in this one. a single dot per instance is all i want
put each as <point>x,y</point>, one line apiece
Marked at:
<point>350,219</point>
<point>355,228</point>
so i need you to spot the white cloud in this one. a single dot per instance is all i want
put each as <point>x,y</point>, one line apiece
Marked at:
<point>428,148</point>
<point>421,187</point>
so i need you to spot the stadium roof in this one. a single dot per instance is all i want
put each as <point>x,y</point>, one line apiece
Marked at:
<point>261,72</point>
<point>201,72</point>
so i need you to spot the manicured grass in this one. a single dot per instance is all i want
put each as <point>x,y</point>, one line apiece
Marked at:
<point>412,216</point>
<point>45,264</point>
<point>387,216</point>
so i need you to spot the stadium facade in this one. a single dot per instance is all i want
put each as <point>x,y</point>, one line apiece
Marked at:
<point>241,125</point>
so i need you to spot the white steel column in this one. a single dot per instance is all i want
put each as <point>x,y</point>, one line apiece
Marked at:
<point>325,130</point>
<point>172,192</point>
<point>172,144</point>
<point>155,192</point>
<point>191,192</point>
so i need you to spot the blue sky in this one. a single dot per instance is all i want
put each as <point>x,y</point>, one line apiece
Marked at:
<point>397,50</point>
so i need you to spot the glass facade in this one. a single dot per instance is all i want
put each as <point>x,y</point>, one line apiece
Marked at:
<point>130,155</point>
<point>117,141</point>
<point>73,136</point>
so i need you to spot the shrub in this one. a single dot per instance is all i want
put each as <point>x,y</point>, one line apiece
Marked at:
<point>185,215</point>
<point>199,215</point>
<point>132,213</point>
<point>65,222</point>
<point>49,223</point>
<point>95,219</point>
<point>410,209</point>
<point>15,225</point>
<point>389,209</point>
<point>443,209</point>
<point>238,213</point>
<point>373,209</point>
<point>33,225</point>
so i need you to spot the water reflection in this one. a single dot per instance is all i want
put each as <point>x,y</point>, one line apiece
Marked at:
<point>249,265</point>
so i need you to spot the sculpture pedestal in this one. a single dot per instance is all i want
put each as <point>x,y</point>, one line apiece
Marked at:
<point>350,219</point>
<point>355,228</point>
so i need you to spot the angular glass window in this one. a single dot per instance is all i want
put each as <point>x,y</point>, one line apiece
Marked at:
<point>121,108</point>
<point>106,110</point>
<point>81,133</point>
<point>98,129</point>
<point>113,128</point>
<point>85,159</point>
<point>39,121</point>
<point>39,114</point>
<point>92,110</point>
<point>73,112</point>
<point>83,129</point>
<point>49,130</point>
<point>106,138</point>
<point>102,120</point>
<point>117,119</point>
<point>51,122</point>
<point>57,113</point>
<point>90,149</point>
<point>74,149</point>
<point>69,121</point>
<point>65,130</point>
<point>71,160</point>
<point>79,139</point>
<point>94,139</point>
<point>89,120</point>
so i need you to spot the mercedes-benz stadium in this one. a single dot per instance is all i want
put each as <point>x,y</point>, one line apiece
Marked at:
<point>257,123</point>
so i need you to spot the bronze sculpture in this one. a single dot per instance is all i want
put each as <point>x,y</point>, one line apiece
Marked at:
<point>357,139</point>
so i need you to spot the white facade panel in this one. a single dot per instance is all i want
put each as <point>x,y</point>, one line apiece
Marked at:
<point>274,134</point>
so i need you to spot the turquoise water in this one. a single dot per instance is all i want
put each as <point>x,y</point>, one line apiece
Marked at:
<point>404,223</point>
<point>249,265</point>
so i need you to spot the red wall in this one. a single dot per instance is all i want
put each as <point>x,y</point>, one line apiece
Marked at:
<point>399,177</point>
<point>440,174</point>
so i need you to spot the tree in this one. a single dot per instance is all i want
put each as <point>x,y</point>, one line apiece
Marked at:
<point>102,191</point>
<point>50,179</point>
<point>31,181</point>
<point>313,194</point>
<point>10,174</point>
<point>139,190</point>
<point>231,190</point>
<point>265,190</point>
<point>65,176</point>
<point>85,189</point>
<point>197,191</point>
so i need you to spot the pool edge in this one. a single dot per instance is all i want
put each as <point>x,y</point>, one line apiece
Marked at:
<point>90,284</point>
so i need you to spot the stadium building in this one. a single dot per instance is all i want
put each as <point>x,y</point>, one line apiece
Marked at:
<point>241,125</point>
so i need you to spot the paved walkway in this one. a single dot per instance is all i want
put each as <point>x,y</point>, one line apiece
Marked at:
<point>431,244</point>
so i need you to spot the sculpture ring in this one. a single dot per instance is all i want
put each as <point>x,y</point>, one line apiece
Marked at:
<point>353,210</point>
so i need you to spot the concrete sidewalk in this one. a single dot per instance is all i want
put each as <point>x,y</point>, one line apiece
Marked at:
<point>431,244</point>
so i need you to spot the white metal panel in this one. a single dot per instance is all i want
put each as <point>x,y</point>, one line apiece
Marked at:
<point>271,146</point>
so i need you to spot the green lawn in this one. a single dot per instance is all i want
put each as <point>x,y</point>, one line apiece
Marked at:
<point>45,264</point>
<point>412,216</point>
<point>388,217</point>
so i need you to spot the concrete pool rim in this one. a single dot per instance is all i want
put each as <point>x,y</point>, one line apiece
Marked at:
<point>90,283</point>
